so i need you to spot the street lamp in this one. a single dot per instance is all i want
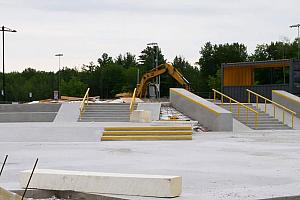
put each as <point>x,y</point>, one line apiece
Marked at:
<point>4,29</point>
<point>59,55</point>
<point>155,45</point>
<point>297,26</point>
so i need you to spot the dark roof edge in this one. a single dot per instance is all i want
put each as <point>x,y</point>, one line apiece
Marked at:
<point>286,61</point>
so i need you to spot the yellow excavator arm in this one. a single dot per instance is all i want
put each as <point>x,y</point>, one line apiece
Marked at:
<point>159,70</point>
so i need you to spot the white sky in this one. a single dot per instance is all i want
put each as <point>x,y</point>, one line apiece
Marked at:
<point>84,29</point>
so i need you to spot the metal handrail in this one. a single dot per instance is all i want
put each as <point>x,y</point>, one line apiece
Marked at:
<point>132,101</point>
<point>85,101</point>
<point>272,102</point>
<point>239,105</point>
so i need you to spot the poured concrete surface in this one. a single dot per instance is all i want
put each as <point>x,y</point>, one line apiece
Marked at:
<point>223,165</point>
<point>98,182</point>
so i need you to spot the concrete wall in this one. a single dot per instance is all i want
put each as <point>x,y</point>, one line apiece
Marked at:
<point>287,99</point>
<point>207,113</point>
<point>28,112</point>
<point>27,117</point>
<point>39,107</point>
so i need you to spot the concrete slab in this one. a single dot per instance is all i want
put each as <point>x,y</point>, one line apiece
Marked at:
<point>215,165</point>
<point>154,108</point>
<point>97,182</point>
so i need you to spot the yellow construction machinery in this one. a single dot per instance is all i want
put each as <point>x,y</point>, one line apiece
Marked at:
<point>159,70</point>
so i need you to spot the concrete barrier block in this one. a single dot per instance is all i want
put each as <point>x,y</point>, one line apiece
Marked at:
<point>206,113</point>
<point>96,182</point>
<point>287,99</point>
<point>142,116</point>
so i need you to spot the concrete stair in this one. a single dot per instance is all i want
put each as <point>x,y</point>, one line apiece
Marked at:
<point>265,121</point>
<point>147,133</point>
<point>106,112</point>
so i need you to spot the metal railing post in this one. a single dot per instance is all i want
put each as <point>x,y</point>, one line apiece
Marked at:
<point>214,96</point>
<point>265,106</point>
<point>256,119</point>
<point>249,97</point>
<point>283,117</point>
<point>256,102</point>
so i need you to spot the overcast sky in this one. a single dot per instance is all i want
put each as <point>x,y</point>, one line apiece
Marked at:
<point>84,29</point>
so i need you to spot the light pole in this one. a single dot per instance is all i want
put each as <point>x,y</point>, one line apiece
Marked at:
<point>155,45</point>
<point>297,26</point>
<point>59,55</point>
<point>4,29</point>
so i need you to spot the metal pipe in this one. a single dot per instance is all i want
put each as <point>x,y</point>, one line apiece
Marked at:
<point>3,164</point>
<point>3,73</point>
<point>30,178</point>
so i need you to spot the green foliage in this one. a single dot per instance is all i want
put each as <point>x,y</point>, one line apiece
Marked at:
<point>74,87</point>
<point>109,76</point>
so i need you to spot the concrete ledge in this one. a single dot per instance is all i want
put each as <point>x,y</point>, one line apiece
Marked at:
<point>287,99</point>
<point>112,183</point>
<point>207,113</point>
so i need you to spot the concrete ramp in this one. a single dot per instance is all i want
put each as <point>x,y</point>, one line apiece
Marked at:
<point>7,195</point>
<point>206,113</point>
<point>104,183</point>
<point>287,99</point>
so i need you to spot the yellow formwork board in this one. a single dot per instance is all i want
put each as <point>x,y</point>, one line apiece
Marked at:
<point>148,128</point>
<point>147,133</point>
<point>118,138</point>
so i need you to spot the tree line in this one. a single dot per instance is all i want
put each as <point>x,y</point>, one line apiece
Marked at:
<point>110,76</point>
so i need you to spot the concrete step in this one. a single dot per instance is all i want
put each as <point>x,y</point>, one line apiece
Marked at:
<point>111,133</point>
<point>147,133</point>
<point>148,128</point>
<point>271,128</point>
<point>146,137</point>
<point>106,115</point>
<point>265,121</point>
<point>104,119</point>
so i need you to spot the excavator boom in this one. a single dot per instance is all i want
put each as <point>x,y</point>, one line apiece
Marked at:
<point>159,70</point>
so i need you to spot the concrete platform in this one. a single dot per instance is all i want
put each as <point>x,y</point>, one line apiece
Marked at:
<point>216,165</point>
<point>109,183</point>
